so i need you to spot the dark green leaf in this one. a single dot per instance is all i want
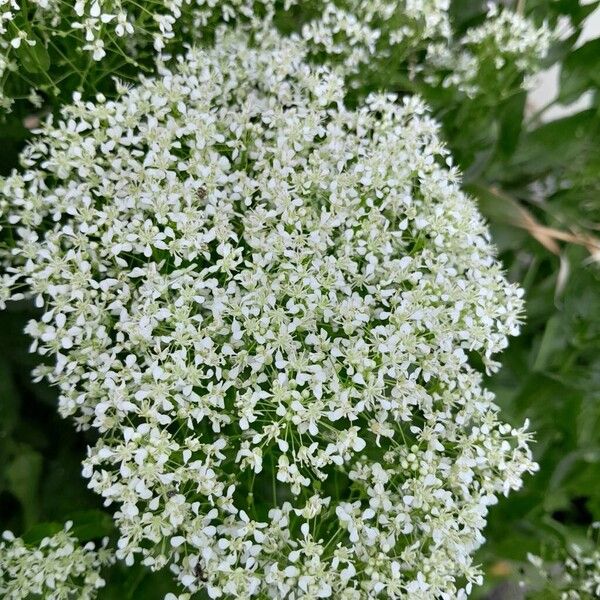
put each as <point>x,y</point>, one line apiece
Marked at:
<point>9,401</point>
<point>511,123</point>
<point>552,146</point>
<point>23,477</point>
<point>580,71</point>
<point>34,59</point>
<point>91,524</point>
<point>34,535</point>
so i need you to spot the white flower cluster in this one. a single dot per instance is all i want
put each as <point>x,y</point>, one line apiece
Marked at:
<point>8,41</point>
<point>56,569</point>
<point>96,25</point>
<point>505,40</point>
<point>354,32</point>
<point>579,575</point>
<point>265,304</point>
<point>127,17</point>
<point>389,34</point>
<point>99,18</point>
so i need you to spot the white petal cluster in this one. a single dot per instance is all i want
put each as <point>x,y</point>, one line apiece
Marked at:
<point>97,19</point>
<point>505,41</point>
<point>388,35</point>
<point>355,32</point>
<point>265,304</point>
<point>98,27</point>
<point>578,577</point>
<point>582,574</point>
<point>9,40</point>
<point>127,18</point>
<point>57,568</point>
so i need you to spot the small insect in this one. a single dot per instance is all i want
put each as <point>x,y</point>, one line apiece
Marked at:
<point>171,493</point>
<point>200,574</point>
<point>201,193</point>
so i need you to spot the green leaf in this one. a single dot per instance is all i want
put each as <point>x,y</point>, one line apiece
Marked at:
<point>91,524</point>
<point>555,145</point>
<point>9,401</point>
<point>34,59</point>
<point>34,535</point>
<point>465,13</point>
<point>552,342</point>
<point>551,10</point>
<point>578,12</point>
<point>23,477</point>
<point>580,71</point>
<point>137,581</point>
<point>63,489</point>
<point>511,123</point>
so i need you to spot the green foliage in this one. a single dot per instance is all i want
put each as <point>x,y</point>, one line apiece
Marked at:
<point>534,175</point>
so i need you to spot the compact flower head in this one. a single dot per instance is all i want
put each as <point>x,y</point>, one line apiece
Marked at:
<point>265,304</point>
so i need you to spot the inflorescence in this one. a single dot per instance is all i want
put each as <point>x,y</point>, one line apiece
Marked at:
<point>46,44</point>
<point>268,305</point>
<point>56,568</point>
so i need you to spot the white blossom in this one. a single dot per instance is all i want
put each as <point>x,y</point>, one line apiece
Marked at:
<point>505,40</point>
<point>102,27</point>
<point>577,575</point>
<point>363,38</point>
<point>56,568</point>
<point>265,304</point>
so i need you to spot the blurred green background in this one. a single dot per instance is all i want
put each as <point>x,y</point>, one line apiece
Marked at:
<point>538,184</point>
